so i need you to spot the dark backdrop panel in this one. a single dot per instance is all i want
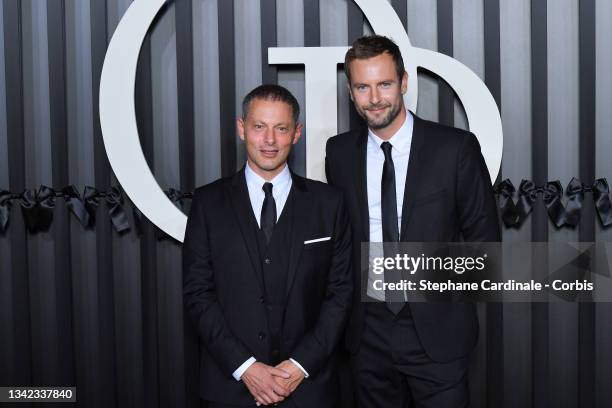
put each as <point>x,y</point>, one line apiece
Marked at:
<point>102,310</point>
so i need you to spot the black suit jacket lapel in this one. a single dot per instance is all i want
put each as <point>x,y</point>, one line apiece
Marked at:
<point>300,221</point>
<point>243,211</point>
<point>361,187</point>
<point>413,173</point>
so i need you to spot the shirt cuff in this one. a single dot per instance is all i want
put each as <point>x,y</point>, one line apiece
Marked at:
<point>243,367</point>
<point>300,367</point>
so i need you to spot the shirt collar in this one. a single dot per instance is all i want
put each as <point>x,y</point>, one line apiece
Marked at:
<point>279,182</point>
<point>401,139</point>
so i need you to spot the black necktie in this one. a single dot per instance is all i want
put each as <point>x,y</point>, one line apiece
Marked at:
<point>268,212</point>
<point>388,204</point>
<point>388,207</point>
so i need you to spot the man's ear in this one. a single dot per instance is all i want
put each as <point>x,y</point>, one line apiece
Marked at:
<point>405,82</point>
<point>298,132</point>
<point>240,127</point>
<point>350,91</point>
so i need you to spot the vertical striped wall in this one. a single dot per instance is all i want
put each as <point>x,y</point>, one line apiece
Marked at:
<point>104,311</point>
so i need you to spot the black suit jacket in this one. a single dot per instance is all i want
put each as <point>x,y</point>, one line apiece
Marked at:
<point>223,287</point>
<point>448,196</point>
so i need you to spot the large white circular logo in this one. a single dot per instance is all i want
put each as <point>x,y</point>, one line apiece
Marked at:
<point>118,112</point>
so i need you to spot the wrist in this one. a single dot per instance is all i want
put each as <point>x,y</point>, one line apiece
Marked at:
<point>299,367</point>
<point>240,371</point>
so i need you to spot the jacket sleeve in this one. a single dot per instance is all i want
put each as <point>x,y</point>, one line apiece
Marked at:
<point>475,198</point>
<point>200,296</point>
<point>318,344</point>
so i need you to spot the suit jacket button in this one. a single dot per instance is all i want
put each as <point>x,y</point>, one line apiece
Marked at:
<point>262,336</point>
<point>261,299</point>
<point>268,261</point>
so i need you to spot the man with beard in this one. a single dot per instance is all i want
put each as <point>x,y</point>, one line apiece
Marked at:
<point>267,278</point>
<point>406,179</point>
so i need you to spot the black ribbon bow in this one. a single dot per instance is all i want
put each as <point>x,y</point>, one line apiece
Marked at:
<point>5,208</point>
<point>601,197</point>
<point>510,216</point>
<point>75,204</point>
<point>528,194</point>
<point>37,208</point>
<point>552,192</point>
<point>575,193</point>
<point>91,200</point>
<point>114,202</point>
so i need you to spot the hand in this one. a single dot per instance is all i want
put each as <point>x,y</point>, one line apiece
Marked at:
<point>296,375</point>
<point>260,380</point>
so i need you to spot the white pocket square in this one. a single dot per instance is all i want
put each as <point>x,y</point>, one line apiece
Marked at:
<point>312,241</point>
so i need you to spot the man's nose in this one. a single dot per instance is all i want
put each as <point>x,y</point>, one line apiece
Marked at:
<point>374,96</point>
<point>269,137</point>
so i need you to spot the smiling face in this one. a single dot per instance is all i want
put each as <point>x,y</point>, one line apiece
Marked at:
<point>377,93</point>
<point>268,132</point>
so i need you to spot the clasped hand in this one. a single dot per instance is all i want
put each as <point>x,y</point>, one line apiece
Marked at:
<point>270,385</point>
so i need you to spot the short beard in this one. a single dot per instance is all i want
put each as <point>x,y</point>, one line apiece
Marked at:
<point>386,121</point>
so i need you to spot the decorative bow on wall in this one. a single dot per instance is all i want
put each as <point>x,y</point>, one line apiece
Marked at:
<point>37,206</point>
<point>514,213</point>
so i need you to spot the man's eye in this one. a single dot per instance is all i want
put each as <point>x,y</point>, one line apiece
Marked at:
<point>283,129</point>
<point>386,84</point>
<point>258,126</point>
<point>361,87</point>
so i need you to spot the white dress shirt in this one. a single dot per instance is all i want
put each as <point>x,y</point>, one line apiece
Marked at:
<point>280,190</point>
<point>375,158</point>
<point>281,186</point>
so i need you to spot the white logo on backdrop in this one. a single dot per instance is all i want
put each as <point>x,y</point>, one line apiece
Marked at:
<point>118,118</point>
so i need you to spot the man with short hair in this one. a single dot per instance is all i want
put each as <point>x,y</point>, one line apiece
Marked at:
<point>267,278</point>
<point>406,180</point>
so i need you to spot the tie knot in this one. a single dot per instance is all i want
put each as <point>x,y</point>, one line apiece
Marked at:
<point>267,188</point>
<point>386,148</point>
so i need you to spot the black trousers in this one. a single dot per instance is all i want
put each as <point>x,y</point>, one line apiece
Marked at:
<point>391,369</point>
